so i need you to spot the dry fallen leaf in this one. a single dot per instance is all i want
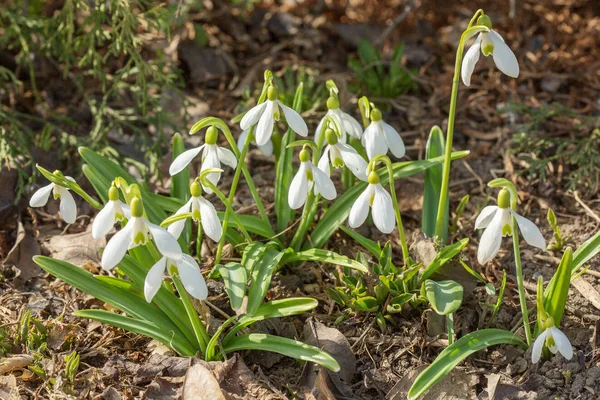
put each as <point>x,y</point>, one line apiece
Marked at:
<point>21,254</point>
<point>8,388</point>
<point>15,362</point>
<point>78,249</point>
<point>200,384</point>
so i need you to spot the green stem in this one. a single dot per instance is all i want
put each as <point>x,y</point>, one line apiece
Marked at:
<point>520,284</point>
<point>401,232</point>
<point>304,222</point>
<point>199,241</point>
<point>450,326</point>
<point>229,207</point>
<point>197,325</point>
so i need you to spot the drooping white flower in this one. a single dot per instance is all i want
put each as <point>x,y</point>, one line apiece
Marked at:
<point>265,115</point>
<point>497,221</point>
<point>212,157</point>
<point>307,178</point>
<point>339,154</point>
<point>68,208</point>
<point>266,149</point>
<point>489,43</point>
<point>379,201</point>
<point>137,232</point>
<point>203,212</point>
<point>554,339</point>
<point>349,125</point>
<point>380,137</point>
<point>188,271</point>
<point>114,210</point>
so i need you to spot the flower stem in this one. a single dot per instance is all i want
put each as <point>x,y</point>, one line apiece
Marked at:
<point>401,232</point>
<point>197,325</point>
<point>228,206</point>
<point>450,326</point>
<point>520,284</point>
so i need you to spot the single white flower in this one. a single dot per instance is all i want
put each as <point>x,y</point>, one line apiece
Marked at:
<point>497,222</point>
<point>202,211</point>
<point>266,149</point>
<point>137,232</point>
<point>188,271</point>
<point>114,210</point>
<point>380,137</point>
<point>489,43</point>
<point>307,177</point>
<point>339,154</point>
<point>265,114</point>
<point>350,126</point>
<point>68,208</point>
<point>380,202</point>
<point>212,157</point>
<point>554,339</point>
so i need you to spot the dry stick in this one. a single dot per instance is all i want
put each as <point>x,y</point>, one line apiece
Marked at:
<point>407,9</point>
<point>588,210</point>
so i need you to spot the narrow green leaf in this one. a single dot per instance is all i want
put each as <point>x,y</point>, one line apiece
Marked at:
<point>452,355</point>
<point>235,278</point>
<point>139,326</point>
<point>324,256</point>
<point>261,278</point>
<point>370,245</point>
<point>586,251</point>
<point>444,255</point>
<point>99,182</point>
<point>180,185</point>
<point>433,184</point>
<point>280,345</point>
<point>556,300</point>
<point>445,297</point>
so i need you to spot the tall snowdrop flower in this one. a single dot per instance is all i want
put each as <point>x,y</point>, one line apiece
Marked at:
<point>138,232</point>
<point>350,126</point>
<point>489,43</point>
<point>380,137</point>
<point>266,149</point>
<point>68,208</point>
<point>114,210</point>
<point>497,221</point>
<point>212,157</point>
<point>188,270</point>
<point>380,202</point>
<point>265,114</point>
<point>203,212</point>
<point>339,154</point>
<point>307,178</point>
<point>554,339</point>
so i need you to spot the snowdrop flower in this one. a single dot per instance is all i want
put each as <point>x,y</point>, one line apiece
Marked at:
<point>379,200</point>
<point>212,157</point>
<point>307,177</point>
<point>203,212</point>
<point>350,126</point>
<point>137,232</point>
<point>554,339</point>
<point>489,43</point>
<point>339,154</point>
<point>188,270</point>
<point>265,114</point>
<point>266,149</point>
<point>497,222</point>
<point>68,208</point>
<point>380,137</point>
<point>114,210</point>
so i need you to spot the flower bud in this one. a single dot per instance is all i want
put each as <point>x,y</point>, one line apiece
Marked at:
<point>137,207</point>
<point>333,103</point>
<point>331,136</point>
<point>211,135</point>
<point>504,198</point>
<point>551,217</point>
<point>375,115</point>
<point>272,93</point>
<point>113,193</point>
<point>373,178</point>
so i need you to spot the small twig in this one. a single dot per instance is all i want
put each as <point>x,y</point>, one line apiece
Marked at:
<point>588,210</point>
<point>407,9</point>
<point>363,334</point>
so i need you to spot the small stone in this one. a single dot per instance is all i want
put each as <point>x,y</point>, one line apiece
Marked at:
<point>518,367</point>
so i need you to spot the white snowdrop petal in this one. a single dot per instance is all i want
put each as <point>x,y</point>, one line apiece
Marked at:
<point>165,242</point>
<point>353,161</point>
<point>324,161</point>
<point>562,343</point>
<point>40,197</point>
<point>264,129</point>
<point>360,208</point>
<point>252,116</point>
<point>227,157</point>
<point>211,160</point>
<point>538,346</point>
<point>531,233</point>
<point>470,59</point>
<point>318,130</point>
<point>104,221</point>
<point>351,125</point>
<point>504,58</point>
<point>323,183</point>
<point>242,140</point>
<point>192,278</point>
<point>383,210</point>
<point>298,188</point>
<point>117,246</point>
<point>154,279</point>
<point>394,141</point>
<point>68,207</point>
<point>210,220</point>
<point>485,217</point>
<point>491,239</point>
<point>176,228</point>
<point>267,148</point>
<point>183,160</point>
<point>294,120</point>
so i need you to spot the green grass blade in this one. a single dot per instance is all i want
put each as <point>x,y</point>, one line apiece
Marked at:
<point>235,278</point>
<point>139,326</point>
<point>433,184</point>
<point>180,185</point>
<point>287,347</point>
<point>452,355</point>
<point>261,278</point>
<point>556,299</point>
<point>324,256</point>
<point>370,245</point>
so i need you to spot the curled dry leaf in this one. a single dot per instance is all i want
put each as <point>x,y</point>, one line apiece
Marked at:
<point>201,384</point>
<point>78,249</point>
<point>21,254</point>
<point>15,362</point>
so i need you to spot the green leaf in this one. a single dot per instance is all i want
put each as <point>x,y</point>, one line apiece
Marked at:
<point>325,256</point>
<point>395,304</point>
<point>261,278</point>
<point>235,278</point>
<point>365,304</point>
<point>339,210</point>
<point>180,184</point>
<point>451,356</point>
<point>142,327</point>
<point>370,245</point>
<point>556,299</point>
<point>287,347</point>
<point>99,182</point>
<point>585,252</point>
<point>444,255</point>
<point>433,185</point>
<point>284,171</point>
<point>445,297</point>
